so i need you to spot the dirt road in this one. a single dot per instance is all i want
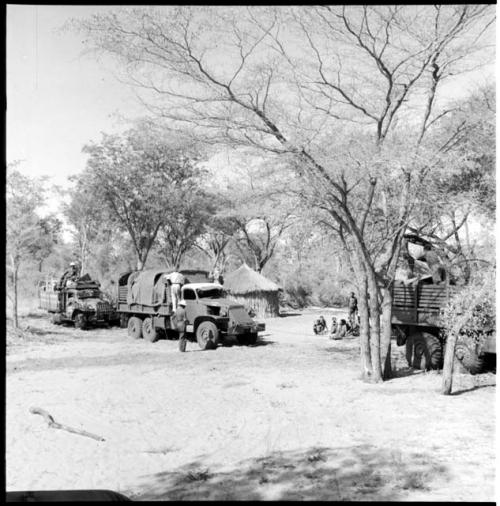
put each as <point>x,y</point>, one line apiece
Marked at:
<point>285,419</point>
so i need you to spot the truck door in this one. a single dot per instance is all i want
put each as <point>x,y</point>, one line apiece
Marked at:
<point>189,295</point>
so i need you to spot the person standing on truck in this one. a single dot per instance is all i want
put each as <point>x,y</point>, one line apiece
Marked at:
<point>176,280</point>
<point>180,324</point>
<point>70,275</point>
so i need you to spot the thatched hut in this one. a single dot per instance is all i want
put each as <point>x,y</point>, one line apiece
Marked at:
<point>254,291</point>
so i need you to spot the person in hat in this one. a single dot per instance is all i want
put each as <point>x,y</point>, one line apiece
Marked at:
<point>180,324</point>
<point>71,274</point>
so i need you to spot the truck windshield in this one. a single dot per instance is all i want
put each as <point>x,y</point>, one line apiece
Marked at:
<point>89,292</point>
<point>211,293</point>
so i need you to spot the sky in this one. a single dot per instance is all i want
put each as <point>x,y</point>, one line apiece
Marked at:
<point>57,99</point>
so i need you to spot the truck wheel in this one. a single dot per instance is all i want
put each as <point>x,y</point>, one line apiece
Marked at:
<point>80,321</point>
<point>134,327</point>
<point>424,351</point>
<point>148,330</point>
<point>469,358</point>
<point>124,320</point>
<point>207,335</point>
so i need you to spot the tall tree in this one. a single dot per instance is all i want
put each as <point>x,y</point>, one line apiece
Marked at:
<point>136,179</point>
<point>186,224</point>
<point>29,237</point>
<point>348,93</point>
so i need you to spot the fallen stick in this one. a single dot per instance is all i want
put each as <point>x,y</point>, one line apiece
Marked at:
<point>52,423</point>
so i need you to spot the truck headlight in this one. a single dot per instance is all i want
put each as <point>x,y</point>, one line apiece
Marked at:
<point>223,311</point>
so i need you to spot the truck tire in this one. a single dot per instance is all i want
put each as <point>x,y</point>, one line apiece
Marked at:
<point>134,327</point>
<point>469,358</point>
<point>81,321</point>
<point>424,351</point>
<point>148,330</point>
<point>207,335</point>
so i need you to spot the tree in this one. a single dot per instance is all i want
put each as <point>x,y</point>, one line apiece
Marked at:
<point>186,224</point>
<point>463,192</point>
<point>85,216</point>
<point>469,315</point>
<point>217,235</point>
<point>29,237</point>
<point>137,179</point>
<point>348,94</point>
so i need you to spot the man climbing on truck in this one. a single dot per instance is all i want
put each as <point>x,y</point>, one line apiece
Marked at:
<point>176,280</point>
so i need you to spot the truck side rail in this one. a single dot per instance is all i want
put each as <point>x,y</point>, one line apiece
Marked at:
<point>419,304</point>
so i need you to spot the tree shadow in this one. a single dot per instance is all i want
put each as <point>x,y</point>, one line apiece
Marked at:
<point>232,341</point>
<point>341,349</point>
<point>404,372</point>
<point>362,472</point>
<point>36,315</point>
<point>286,315</point>
<point>471,389</point>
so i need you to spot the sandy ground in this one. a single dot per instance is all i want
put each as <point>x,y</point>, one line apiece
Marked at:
<point>287,418</point>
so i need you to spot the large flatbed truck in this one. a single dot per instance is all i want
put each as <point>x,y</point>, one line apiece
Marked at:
<point>145,308</point>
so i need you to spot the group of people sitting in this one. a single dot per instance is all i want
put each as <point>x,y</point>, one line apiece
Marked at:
<point>338,329</point>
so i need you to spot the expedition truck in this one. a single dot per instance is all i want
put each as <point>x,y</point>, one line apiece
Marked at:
<point>415,322</point>
<point>145,308</point>
<point>80,302</point>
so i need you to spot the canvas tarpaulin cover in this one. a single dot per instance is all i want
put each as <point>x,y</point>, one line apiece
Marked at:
<point>146,288</point>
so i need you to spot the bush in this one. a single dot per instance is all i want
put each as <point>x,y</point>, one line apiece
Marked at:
<point>476,303</point>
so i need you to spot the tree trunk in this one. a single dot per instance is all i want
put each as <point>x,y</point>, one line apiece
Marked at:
<point>449,356</point>
<point>15,280</point>
<point>364,333</point>
<point>139,264</point>
<point>386,332</point>
<point>374,307</point>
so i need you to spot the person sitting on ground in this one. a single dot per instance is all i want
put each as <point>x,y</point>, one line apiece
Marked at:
<point>334,328</point>
<point>323,322</point>
<point>319,325</point>
<point>342,330</point>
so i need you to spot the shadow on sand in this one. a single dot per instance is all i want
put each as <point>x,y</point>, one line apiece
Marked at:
<point>363,472</point>
<point>471,389</point>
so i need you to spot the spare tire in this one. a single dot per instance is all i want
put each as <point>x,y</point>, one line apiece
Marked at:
<point>468,357</point>
<point>424,351</point>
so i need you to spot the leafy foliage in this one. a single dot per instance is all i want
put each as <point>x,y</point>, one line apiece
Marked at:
<point>474,308</point>
<point>138,181</point>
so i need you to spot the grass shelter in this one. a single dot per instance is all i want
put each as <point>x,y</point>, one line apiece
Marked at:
<point>254,291</point>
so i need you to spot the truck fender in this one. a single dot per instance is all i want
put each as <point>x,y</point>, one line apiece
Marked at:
<point>199,319</point>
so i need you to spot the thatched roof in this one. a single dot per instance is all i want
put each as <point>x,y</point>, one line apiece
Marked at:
<point>246,280</point>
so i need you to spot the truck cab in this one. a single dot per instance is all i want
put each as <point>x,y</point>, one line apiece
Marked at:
<point>209,302</point>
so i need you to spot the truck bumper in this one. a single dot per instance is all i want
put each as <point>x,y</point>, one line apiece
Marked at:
<point>241,329</point>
